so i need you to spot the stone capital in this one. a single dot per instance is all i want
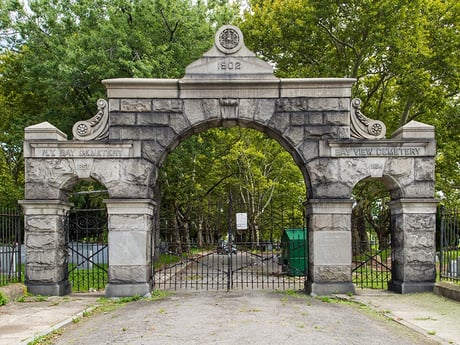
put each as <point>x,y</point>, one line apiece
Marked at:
<point>45,207</point>
<point>329,206</point>
<point>414,206</point>
<point>130,206</point>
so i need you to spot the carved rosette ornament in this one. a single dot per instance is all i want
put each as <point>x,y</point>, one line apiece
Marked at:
<point>362,127</point>
<point>229,39</point>
<point>96,128</point>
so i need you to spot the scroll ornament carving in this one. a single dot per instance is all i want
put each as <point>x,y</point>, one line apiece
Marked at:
<point>96,128</point>
<point>362,127</point>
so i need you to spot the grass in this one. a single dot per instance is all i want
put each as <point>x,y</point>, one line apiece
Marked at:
<point>84,280</point>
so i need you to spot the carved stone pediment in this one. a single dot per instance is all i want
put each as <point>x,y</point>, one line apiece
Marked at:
<point>229,59</point>
<point>97,127</point>
<point>362,127</point>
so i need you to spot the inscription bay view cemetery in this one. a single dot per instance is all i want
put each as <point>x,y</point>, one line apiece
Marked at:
<point>315,119</point>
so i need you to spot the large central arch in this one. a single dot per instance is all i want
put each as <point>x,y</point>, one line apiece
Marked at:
<point>142,120</point>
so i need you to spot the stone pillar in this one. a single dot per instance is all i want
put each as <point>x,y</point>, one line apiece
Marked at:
<point>329,237</point>
<point>46,261</point>
<point>413,260</point>
<point>130,224</point>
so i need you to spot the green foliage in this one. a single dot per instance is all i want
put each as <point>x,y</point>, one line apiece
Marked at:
<point>199,174</point>
<point>54,54</point>
<point>403,54</point>
<point>3,299</point>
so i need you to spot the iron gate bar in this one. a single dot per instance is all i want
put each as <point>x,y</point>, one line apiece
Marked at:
<point>88,258</point>
<point>379,274</point>
<point>86,231</point>
<point>11,239</point>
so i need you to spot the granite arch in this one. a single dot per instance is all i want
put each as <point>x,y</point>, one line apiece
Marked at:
<point>315,119</point>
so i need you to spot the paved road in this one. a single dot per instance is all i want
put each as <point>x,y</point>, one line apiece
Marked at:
<point>240,317</point>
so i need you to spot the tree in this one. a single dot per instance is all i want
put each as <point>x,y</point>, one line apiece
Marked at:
<point>54,54</point>
<point>404,55</point>
<point>199,174</point>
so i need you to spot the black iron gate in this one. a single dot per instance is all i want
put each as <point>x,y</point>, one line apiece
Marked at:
<point>225,266</point>
<point>88,259</point>
<point>371,266</point>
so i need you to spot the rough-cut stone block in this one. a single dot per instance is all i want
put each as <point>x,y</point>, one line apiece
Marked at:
<point>153,151</point>
<point>315,118</point>
<point>260,110</point>
<point>45,273</point>
<point>153,119</point>
<point>136,105</point>
<point>295,135</point>
<point>327,273</point>
<point>336,118</point>
<point>114,105</point>
<point>280,121</point>
<point>115,133</point>
<point>122,119</point>
<point>321,132</point>
<point>328,104</point>
<point>43,223</point>
<point>126,274</point>
<point>308,150</point>
<point>197,111</point>
<point>44,240</point>
<point>178,122</point>
<point>424,169</point>
<point>292,104</point>
<point>167,105</point>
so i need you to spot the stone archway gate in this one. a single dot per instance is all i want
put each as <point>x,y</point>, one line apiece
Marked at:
<point>332,142</point>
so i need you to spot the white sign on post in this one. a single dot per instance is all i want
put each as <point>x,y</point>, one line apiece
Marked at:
<point>241,221</point>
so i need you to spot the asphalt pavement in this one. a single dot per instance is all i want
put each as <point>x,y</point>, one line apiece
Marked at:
<point>434,318</point>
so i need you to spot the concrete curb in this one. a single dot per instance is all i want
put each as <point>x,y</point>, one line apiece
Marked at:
<point>448,290</point>
<point>58,325</point>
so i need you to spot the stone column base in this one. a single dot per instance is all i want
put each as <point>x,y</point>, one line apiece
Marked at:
<point>410,287</point>
<point>127,290</point>
<point>51,289</point>
<point>323,289</point>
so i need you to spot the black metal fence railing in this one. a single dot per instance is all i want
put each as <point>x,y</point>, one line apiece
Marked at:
<point>87,246</point>
<point>11,239</point>
<point>371,265</point>
<point>449,246</point>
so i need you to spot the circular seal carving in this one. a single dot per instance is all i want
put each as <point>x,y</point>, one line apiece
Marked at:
<point>229,39</point>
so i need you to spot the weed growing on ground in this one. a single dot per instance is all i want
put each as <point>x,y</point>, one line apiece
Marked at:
<point>3,299</point>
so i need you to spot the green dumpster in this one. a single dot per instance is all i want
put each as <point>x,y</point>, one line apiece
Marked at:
<point>294,253</point>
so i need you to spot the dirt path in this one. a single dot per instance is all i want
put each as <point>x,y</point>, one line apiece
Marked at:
<point>252,317</point>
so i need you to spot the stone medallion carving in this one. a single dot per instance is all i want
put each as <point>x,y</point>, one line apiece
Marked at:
<point>229,39</point>
<point>96,128</point>
<point>362,127</point>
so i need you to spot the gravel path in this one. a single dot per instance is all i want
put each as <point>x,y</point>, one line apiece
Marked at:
<point>239,317</point>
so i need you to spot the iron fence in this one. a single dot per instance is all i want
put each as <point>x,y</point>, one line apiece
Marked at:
<point>449,245</point>
<point>87,246</point>
<point>11,239</point>
<point>371,266</point>
<point>229,266</point>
